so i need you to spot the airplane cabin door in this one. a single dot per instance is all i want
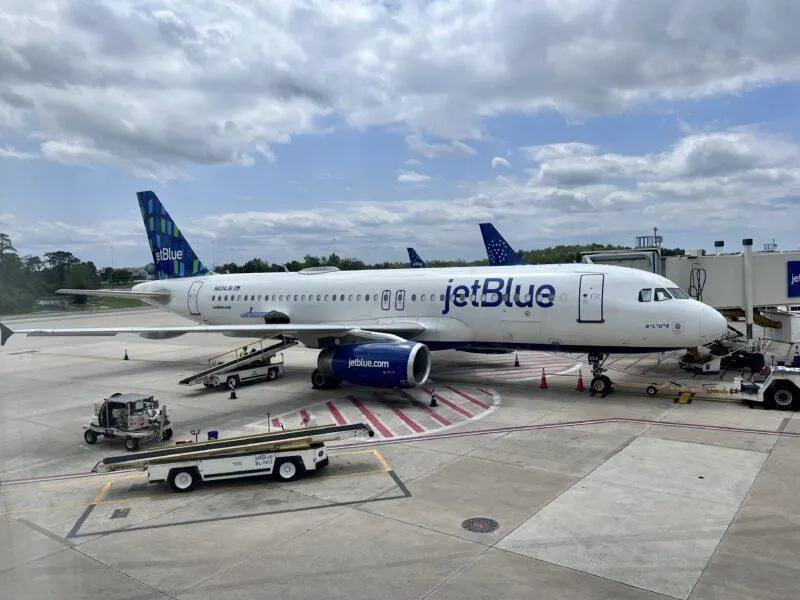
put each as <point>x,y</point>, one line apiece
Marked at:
<point>590,298</point>
<point>194,294</point>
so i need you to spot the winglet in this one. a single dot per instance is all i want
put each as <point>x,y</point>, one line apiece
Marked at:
<point>5,333</point>
<point>498,250</point>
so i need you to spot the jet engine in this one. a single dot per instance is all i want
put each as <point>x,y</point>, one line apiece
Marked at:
<point>374,364</point>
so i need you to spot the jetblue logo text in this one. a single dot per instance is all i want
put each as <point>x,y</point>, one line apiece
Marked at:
<point>168,254</point>
<point>793,278</point>
<point>360,362</point>
<point>495,291</point>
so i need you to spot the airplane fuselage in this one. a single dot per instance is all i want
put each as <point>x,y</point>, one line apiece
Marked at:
<point>572,307</point>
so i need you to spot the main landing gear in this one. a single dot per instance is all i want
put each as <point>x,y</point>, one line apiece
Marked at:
<point>601,384</point>
<point>320,381</point>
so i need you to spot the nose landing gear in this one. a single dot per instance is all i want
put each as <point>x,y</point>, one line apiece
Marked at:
<point>600,384</point>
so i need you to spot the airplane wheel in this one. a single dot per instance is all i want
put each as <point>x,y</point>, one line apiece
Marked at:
<point>601,385</point>
<point>318,380</point>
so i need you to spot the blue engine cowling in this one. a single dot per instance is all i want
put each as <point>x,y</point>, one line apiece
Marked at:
<point>378,364</point>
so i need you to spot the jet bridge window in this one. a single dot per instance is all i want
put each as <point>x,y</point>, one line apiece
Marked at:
<point>645,295</point>
<point>662,294</point>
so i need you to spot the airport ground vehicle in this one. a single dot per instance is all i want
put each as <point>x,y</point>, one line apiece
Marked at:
<point>286,455</point>
<point>266,369</point>
<point>242,365</point>
<point>136,417</point>
<point>780,390</point>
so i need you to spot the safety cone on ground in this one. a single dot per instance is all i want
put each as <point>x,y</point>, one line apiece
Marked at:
<point>543,384</point>
<point>516,360</point>
<point>125,355</point>
<point>233,394</point>
<point>580,387</point>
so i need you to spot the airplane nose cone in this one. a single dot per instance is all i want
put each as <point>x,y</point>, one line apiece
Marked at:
<point>712,324</point>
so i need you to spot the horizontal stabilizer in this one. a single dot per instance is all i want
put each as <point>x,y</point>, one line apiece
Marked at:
<point>369,330</point>
<point>117,294</point>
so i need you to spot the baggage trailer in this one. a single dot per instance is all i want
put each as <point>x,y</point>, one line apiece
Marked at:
<point>138,418</point>
<point>286,455</point>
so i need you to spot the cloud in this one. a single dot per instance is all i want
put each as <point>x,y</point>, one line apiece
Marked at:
<point>411,162</point>
<point>704,186</point>
<point>9,152</point>
<point>454,148</point>
<point>411,177</point>
<point>499,161</point>
<point>158,87</point>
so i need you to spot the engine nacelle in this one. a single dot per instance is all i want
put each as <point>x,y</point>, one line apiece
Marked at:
<point>378,364</point>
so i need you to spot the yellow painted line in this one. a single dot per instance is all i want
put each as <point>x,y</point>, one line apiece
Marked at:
<point>382,460</point>
<point>103,491</point>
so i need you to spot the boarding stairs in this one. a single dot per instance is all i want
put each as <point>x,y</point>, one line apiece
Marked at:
<point>238,358</point>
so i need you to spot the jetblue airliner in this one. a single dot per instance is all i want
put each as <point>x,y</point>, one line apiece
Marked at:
<point>378,327</point>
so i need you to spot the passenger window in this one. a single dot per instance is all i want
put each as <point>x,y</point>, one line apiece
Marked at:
<point>319,298</point>
<point>413,297</point>
<point>341,298</point>
<point>645,295</point>
<point>280,297</point>
<point>662,294</point>
<point>295,297</point>
<point>333,297</point>
<point>358,297</point>
<point>213,298</point>
<point>441,297</point>
<point>422,297</point>
<point>326,297</point>
<point>303,298</point>
<point>226,297</point>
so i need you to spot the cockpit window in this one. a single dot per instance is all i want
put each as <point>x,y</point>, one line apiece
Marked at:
<point>662,294</point>
<point>678,293</point>
<point>645,295</point>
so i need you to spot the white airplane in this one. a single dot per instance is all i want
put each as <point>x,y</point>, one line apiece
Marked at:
<point>378,327</point>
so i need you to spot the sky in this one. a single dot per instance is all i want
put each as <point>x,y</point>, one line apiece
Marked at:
<point>276,129</point>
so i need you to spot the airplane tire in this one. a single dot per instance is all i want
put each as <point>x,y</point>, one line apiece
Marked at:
<point>601,385</point>
<point>318,380</point>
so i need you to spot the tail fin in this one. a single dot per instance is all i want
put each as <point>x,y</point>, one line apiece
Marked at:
<point>414,259</point>
<point>172,255</point>
<point>500,253</point>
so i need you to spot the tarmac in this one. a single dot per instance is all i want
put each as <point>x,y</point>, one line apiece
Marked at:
<point>503,490</point>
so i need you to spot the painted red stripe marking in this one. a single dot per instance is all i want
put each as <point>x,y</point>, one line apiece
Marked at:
<point>336,414</point>
<point>483,391</point>
<point>454,406</point>
<point>426,408</point>
<point>722,375</point>
<point>371,417</point>
<point>407,420</point>
<point>304,414</point>
<point>276,423</point>
<point>468,397</point>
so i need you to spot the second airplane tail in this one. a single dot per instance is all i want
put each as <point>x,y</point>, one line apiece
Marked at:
<point>172,255</point>
<point>498,250</point>
<point>415,260</point>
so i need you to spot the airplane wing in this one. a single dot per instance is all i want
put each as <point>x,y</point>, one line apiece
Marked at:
<point>385,331</point>
<point>117,294</point>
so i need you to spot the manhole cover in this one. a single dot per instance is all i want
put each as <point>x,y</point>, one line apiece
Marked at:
<point>480,525</point>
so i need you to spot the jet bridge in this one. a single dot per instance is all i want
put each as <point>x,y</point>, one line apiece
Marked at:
<point>238,359</point>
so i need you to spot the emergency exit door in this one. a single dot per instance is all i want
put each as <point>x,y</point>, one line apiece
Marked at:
<point>590,298</point>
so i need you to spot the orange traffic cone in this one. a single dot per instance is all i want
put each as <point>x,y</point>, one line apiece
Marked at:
<point>543,384</point>
<point>580,381</point>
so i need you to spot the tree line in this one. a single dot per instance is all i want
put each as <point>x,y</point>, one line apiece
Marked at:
<point>26,279</point>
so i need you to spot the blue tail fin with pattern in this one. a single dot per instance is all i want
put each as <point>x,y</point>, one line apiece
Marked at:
<point>415,260</point>
<point>172,254</point>
<point>498,250</point>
